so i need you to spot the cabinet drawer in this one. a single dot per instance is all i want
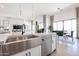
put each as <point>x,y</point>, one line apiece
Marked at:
<point>36,51</point>
<point>23,53</point>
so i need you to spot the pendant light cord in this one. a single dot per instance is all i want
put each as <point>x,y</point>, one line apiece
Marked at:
<point>20,11</point>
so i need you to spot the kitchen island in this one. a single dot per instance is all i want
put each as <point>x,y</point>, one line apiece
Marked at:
<point>41,44</point>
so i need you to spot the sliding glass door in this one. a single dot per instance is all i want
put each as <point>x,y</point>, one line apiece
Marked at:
<point>55,26</point>
<point>68,25</point>
<point>58,25</point>
<point>74,27</point>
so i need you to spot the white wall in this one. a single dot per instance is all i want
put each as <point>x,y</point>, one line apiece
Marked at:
<point>65,15</point>
<point>15,21</point>
<point>11,21</point>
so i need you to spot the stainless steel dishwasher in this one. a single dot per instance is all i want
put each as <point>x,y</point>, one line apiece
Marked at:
<point>46,47</point>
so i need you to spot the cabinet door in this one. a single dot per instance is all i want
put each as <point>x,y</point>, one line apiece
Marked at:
<point>44,49</point>
<point>23,53</point>
<point>49,44</point>
<point>36,51</point>
<point>31,52</point>
<point>54,42</point>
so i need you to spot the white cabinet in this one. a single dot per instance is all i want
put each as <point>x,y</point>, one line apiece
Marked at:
<point>23,53</point>
<point>49,44</point>
<point>36,51</point>
<point>46,45</point>
<point>54,42</point>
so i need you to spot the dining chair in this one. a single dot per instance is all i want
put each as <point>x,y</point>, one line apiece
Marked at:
<point>70,35</point>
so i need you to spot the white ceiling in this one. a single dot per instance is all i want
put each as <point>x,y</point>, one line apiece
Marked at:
<point>28,9</point>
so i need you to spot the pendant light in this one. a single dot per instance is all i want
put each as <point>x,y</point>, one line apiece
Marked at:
<point>32,12</point>
<point>20,10</point>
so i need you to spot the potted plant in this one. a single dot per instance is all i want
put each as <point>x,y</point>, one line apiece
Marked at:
<point>50,28</point>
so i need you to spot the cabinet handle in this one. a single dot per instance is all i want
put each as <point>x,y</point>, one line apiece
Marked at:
<point>26,54</point>
<point>29,53</point>
<point>42,39</point>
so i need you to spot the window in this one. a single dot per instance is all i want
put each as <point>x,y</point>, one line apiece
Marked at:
<point>40,25</point>
<point>58,25</point>
<point>68,25</point>
<point>55,26</point>
<point>74,27</point>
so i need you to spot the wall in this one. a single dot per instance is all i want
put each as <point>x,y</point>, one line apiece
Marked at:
<point>16,21</point>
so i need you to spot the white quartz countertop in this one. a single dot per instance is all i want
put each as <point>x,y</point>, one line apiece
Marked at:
<point>42,34</point>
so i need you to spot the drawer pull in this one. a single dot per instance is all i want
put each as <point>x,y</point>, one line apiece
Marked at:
<point>29,53</point>
<point>26,54</point>
<point>42,39</point>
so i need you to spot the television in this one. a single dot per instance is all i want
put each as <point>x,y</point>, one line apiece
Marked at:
<point>14,27</point>
<point>17,26</point>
